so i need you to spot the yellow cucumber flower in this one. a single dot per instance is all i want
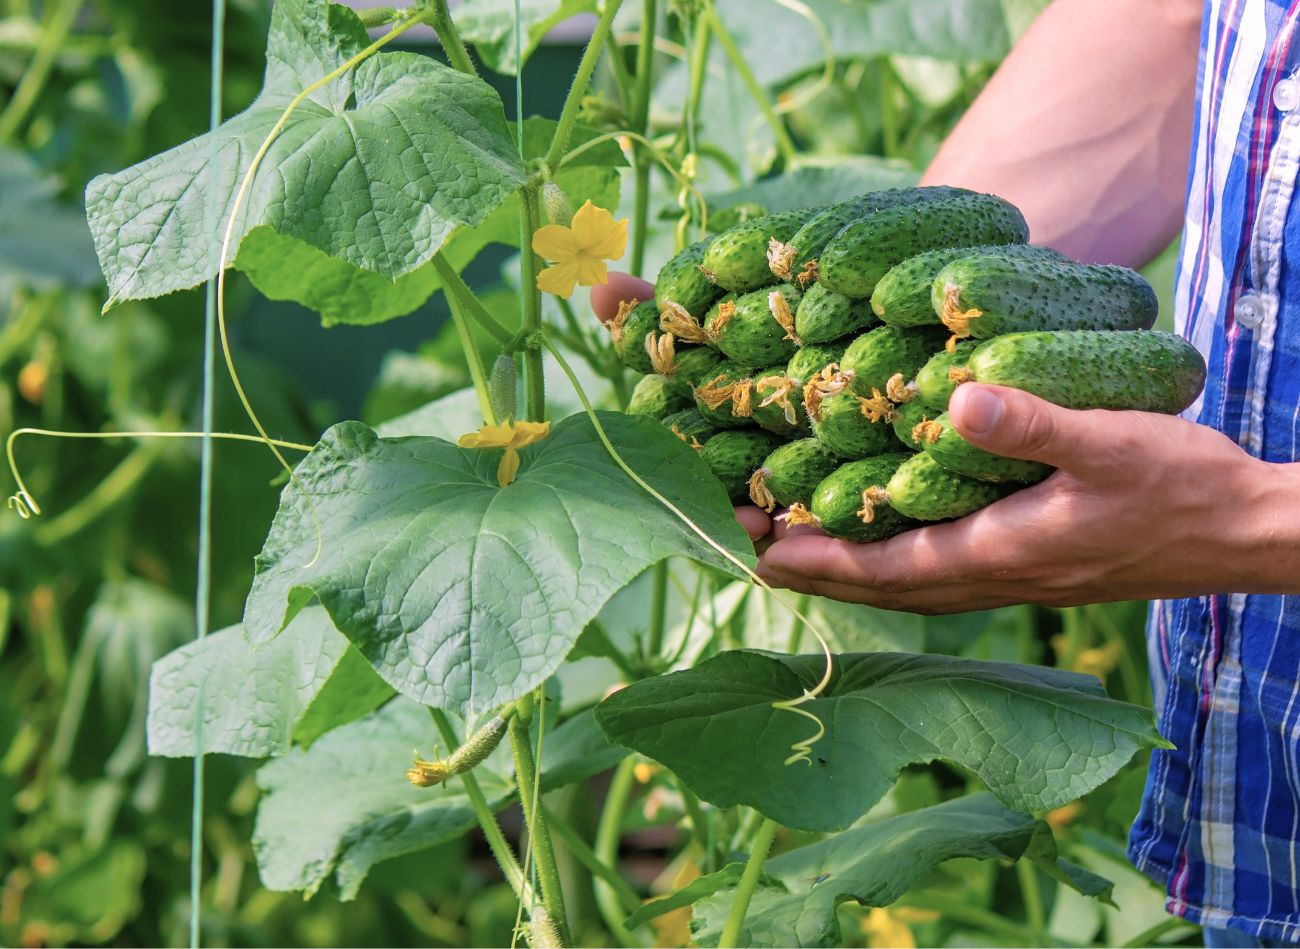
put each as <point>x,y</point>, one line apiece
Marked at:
<point>508,435</point>
<point>578,252</point>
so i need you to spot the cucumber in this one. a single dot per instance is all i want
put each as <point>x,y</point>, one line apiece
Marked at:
<point>722,390</point>
<point>812,358</point>
<point>824,315</point>
<point>902,297</point>
<point>906,418</point>
<point>923,489</point>
<point>734,456</point>
<point>1146,370</point>
<point>628,331</point>
<point>797,259</point>
<point>756,328</point>
<point>945,445</point>
<point>653,396</point>
<point>791,473</point>
<point>737,258</point>
<point>681,281</point>
<point>840,424</point>
<point>880,353</point>
<point>683,366</point>
<point>777,403</point>
<point>933,385</point>
<point>862,253</point>
<point>690,426</point>
<point>988,296</point>
<point>838,502</point>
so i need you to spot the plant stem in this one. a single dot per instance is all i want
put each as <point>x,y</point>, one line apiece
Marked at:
<point>569,114</point>
<point>748,882</point>
<point>110,490</point>
<point>439,18</point>
<point>548,873</point>
<point>658,609</point>
<point>608,832</point>
<point>55,30</point>
<point>473,358</point>
<point>534,380</point>
<point>784,144</point>
<point>496,841</point>
<point>1027,873</point>
<point>640,123</point>
<point>699,823</point>
<point>452,283</point>
<point>587,857</point>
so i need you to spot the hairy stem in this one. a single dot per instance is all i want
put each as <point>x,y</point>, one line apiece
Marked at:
<point>473,358</point>
<point>608,832</point>
<point>548,873</point>
<point>580,849</point>
<point>453,284</point>
<point>439,17</point>
<point>641,124</point>
<point>569,114</point>
<point>748,883</point>
<point>534,380</point>
<point>784,144</point>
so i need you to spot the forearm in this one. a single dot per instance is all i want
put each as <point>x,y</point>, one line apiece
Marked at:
<point>1087,127</point>
<point>1268,558</point>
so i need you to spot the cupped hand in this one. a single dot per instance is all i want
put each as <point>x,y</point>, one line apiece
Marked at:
<point>1142,506</point>
<point>605,299</point>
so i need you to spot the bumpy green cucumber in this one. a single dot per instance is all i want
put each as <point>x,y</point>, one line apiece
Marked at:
<point>837,504</point>
<point>840,424</point>
<point>902,297</point>
<point>906,418</point>
<point>777,403</point>
<point>797,259</point>
<point>681,281</point>
<point>933,383</point>
<point>944,444</point>
<point>756,328</point>
<point>653,396</point>
<point>858,256</point>
<point>877,355</point>
<point>628,331</point>
<point>824,315</point>
<point>923,489</point>
<point>812,358</point>
<point>690,426</point>
<point>1146,370</point>
<point>734,456</point>
<point>724,389</point>
<point>791,473</point>
<point>737,258</point>
<point>988,296</point>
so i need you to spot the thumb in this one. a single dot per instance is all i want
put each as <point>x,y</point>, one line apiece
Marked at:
<point>605,297</point>
<point>1019,425</point>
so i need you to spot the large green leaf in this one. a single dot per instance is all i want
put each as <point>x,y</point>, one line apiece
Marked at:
<point>1037,737</point>
<point>254,700</point>
<point>876,864</point>
<point>462,594</point>
<point>336,810</point>
<point>490,26</point>
<point>378,167</point>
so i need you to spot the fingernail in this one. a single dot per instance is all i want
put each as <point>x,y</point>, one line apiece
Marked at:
<point>981,411</point>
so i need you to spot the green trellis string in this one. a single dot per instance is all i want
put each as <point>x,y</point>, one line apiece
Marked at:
<point>202,592</point>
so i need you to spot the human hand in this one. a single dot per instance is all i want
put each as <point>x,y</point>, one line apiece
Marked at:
<point>605,299</point>
<point>1142,506</point>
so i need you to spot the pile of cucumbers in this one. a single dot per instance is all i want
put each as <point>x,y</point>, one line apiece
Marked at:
<point>809,355</point>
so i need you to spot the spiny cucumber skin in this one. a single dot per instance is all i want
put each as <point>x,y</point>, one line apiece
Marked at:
<point>724,373</point>
<point>682,282</point>
<point>810,240</point>
<point>690,364</point>
<point>630,344</point>
<point>924,490</point>
<point>689,424</point>
<point>1024,295</point>
<point>910,415</point>
<point>772,417</point>
<point>844,430</point>
<point>864,251</point>
<point>737,258</point>
<point>902,297</point>
<point>734,456</point>
<point>752,335</point>
<point>796,468</point>
<point>1143,370</point>
<point>838,499</point>
<point>934,387</point>
<point>952,451</point>
<point>880,353</point>
<point>653,396</point>
<point>824,315</point>
<point>812,358</point>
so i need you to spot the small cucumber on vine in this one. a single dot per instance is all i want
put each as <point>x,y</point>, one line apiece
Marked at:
<point>756,328</point>
<point>945,444</point>
<point>838,502</point>
<point>791,473</point>
<point>989,296</point>
<point>737,258</point>
<point>734,456</point>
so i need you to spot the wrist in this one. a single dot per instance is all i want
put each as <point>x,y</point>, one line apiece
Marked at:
<point>1270,517</point>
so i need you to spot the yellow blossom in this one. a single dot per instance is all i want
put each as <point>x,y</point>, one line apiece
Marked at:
<point>578,252</point>
<point>508,435</point>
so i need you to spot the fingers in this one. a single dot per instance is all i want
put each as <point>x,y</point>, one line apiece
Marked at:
<point>756,523</point>
<point>1019,425</point>
<point>606,297</point>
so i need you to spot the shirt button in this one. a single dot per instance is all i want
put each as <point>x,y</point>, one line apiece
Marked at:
<point>1286,95</point>
<point>1249,311</point>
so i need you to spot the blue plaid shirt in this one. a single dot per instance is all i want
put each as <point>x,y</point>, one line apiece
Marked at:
<point>1220,821</point>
